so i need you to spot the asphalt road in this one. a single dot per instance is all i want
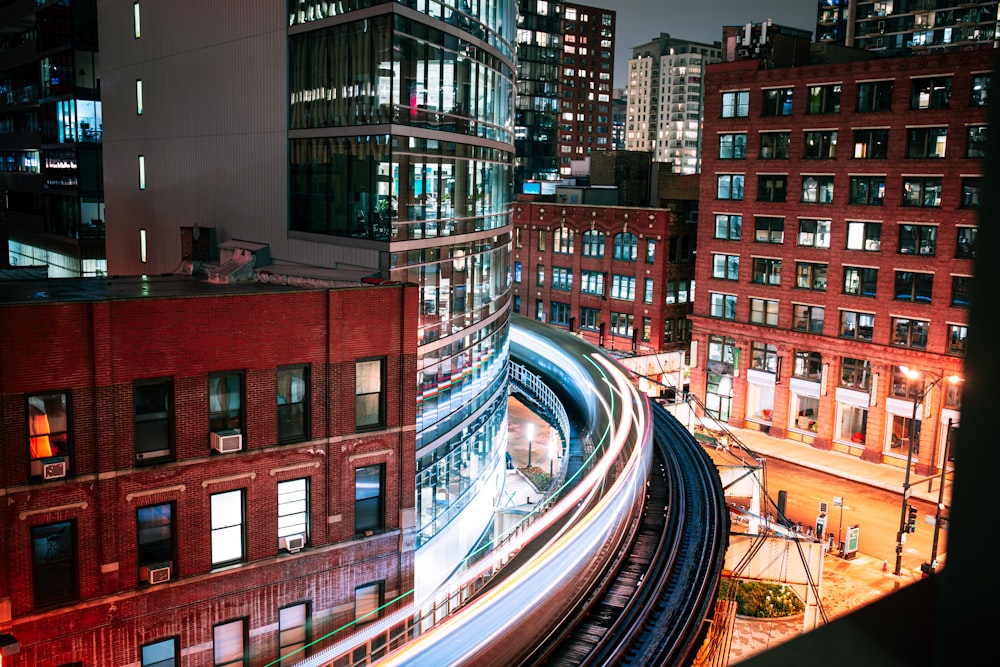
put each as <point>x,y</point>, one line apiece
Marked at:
<point>875,510</point>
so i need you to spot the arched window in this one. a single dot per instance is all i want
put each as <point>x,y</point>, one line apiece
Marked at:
<point>625,246</point>
<point>593,243</point>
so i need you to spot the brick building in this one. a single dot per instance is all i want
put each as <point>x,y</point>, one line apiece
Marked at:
<point>840,214</point>
<point>620,276</point>
<point>163,437</point>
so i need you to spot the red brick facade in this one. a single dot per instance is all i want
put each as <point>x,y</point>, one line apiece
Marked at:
<point>889,260</point>
<point>93,350</point>
<point>671,269</point>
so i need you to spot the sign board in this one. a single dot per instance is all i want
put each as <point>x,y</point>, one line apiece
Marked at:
<point>823,508</point>
<point>838,501</point>
<point>851,542</point>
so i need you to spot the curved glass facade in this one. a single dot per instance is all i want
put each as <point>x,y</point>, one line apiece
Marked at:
<point>401,132</point>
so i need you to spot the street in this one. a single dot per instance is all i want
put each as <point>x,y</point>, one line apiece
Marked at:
<point>876,511</point>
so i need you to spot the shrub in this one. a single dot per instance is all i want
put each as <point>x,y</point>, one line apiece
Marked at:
<point>761,600</point>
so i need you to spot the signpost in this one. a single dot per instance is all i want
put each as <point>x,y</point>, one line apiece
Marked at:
<point>851,542</point>
<point>838,501</point>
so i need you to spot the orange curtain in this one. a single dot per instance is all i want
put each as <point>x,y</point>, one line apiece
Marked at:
<point>39,427</point>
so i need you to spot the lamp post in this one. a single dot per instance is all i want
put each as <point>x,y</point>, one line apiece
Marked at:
<point>918,399</point>
<point>530,428</point>
<point>940,503</point>
<point>552,452</point>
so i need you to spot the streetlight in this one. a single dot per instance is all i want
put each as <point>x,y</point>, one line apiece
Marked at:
<point>932,566</point>
<point>530,428</point>
<point>553,453</point>
<point>918,399</point>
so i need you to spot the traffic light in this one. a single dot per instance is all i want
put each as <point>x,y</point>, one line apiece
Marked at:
<point>911,519</point>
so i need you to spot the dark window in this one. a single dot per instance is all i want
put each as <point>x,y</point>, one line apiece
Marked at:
<point>772,188</point>
<point>910,333</point>
<point>293,404</point>
<point>769,230</point>
<point>814,233</point>
<point>777,102</point>
<point>809,275</point>
<point>860,281</point>
<point>966,243</point>
<point>981,84</point>
<point>918,239</point>
<point>163,653</point>
<point>808,318</point>
<point>930,92</point>
<point>736,105</point>
<point>855,373</point>
<point>369,393</point>
<point>913,286</point>
<point>864,236</point>
<point>766,271</point>
<point>590,318</point>
<point>152,402</point>
<point>626,246</point>
<point>48,434</point>
<point>368,501</point>
<point>774,145</point>
<point>871,144</point>
<point>562,278</point>
<point>808,365</point>
<point>225,402</point>
<point>856,325</point>
<point>976,141</point>
<point>970,191</point>
<point>817,189</point>
<point>926,142</point>
<point>824,99</point>
<point>728,226</point>
<point>875,96</point>
<point>763,357</point>
<point>961,291</point>
<point>154,527</point>
<point>53,563</point>
<point>729,186</point>
<point>732,146</point>
<point>868,190</point>
<point>559,313</point>
<point>593,243</point>
<point>820,145</point>
<point>921,191</point>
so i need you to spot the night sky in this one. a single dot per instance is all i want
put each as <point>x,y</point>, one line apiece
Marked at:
<point>640,21</point>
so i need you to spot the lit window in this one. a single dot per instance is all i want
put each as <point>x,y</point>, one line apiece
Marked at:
<point>48,433</point>
<point>138,96</point>
<point>369,393</point>
<point>293,632</point>
<point>142,172</point>
<point>367,602</point>
<point>135,20</point>
<point>227,527</point>
<point>154,527</point>
<point>229,644</point>
<point>293,509</point>
<point>161,654</point>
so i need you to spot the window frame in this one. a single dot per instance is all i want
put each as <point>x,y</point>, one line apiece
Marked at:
<point>61,573</point>
<point>155,553</point>
<point>917,239</point>
<point>364,394</point>
<point>221,533</point>
<point>807,365</point>
<point>911,286</point>
<point>772,187</point>
<point>777,101</point>
<point>362,613</point>
<point>725,266</point>
<point>225,661</point>
<point>293,508</point>
<point>863,236</point>
<point>811,316</point>
<point>879,99</point>
<point>823,98</point>
<point>916,334</point>
<point>818,236</point>
<point>764,357</point>
<point>823,187</point>
<point>811,276</point>
<point>961,291</point>
<point>52,442</point>
<point>769,229</point>
<point>291,410</point>
<point>870,143</point>
<point>735,104</point>
<point>958,336</point>
<point>774,145</point>
<point>858,328</point>
<point>172,661</point>
<point>722,306</point>
<point>727,226</point>
<point>976,139</point>
<point>765,271</point>
<point>764,312</point>
<point>224,418</point>
<point>732,145</point>
<point>732,185</point>
<point>936,98</point>
<point>965,242</point>
<point>593,243</point>
<point>860,281</point>
<point>292,645</point>
<point>972,187</point>
<point>364,498</point>
<point>819,144</point>
<point>867,190</point>
<point>920,186</point>
<point>626,247</point>
<point>851,369</point>
<point>979,95</point>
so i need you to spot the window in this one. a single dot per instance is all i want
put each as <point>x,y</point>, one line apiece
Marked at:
<point>814,233</point>
<point>808,365</point>
<point>152,402</point>
<point>966,244</point>
<point>918,239</point>
<point>926,142</point>
<point>913,286</point>
<point>292,386</point>
<point>227,527</point>
<point>621,324</point>
<point>721,348</point>
<point>855,373</point>
<point>293,509</point>
<point>729,186</point>
<point>868,190</point>
<point>562,278</point>
<point>517,304</point>
<point>229,644</point>
<point>135,20</point>
<point>728,227</point>
<point>903,385</point>
<point>772,187</point>
<point>726,267</point>
<point>293,632</point>
<point>809,275</point>
<point>626,245</point>
<point>732,146</point>
<point>623,287</point>
<point>774,145</point>
<point>975,146</point>
<point>871,144</point>
<point>539,310</point>
<point>517,279</point>
<point>970,191</point>
<point>48,430</point>
<point>650,251</point>
<point>368,602</point>
<point>777,102</point>
<point>138,97</point>
<point>541,239</point>
<point>764,311</point>
<point>142,172</point>
<point>957,333</point>
<point>647,292</point>
<point>875,96</point>
<point>769,230</point>
<point>592,282</point>
<point>763,357</point>
<point>722,305</point>
<point>225,401</point>
<point>163,653</point>
<point>860,281</point>
<point>154,529</point>
<point>562,241</point>
<point>647,327</point>
<point>53,563</point>
<point>910,333</point>
<point>736,105</point>
<point>679,291</point>
<point>590,318</point>
<point>921,191</point>
<point>540,275</point>
<point>981,90</point>
<point>593,243</point>
<point>961,291</point>
<point>368,498</point>
<point>766,271</point>
<point>817,189</point>
<point>824,99</point>
<point>865,236</point>
<point>820,145</point>
<point>808,318</point>
<point>559,313</point>
<point>856,325</point>
<point>369,393</point>
<point>930,92</point>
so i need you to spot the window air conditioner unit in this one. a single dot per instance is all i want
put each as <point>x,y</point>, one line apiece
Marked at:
<point>293,542</point>
<point>53,467</point>
<point>156,575</point>
<point>227,441</point>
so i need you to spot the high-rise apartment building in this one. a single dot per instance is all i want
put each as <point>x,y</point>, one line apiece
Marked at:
<point>834,267</point>
<point>665,100</point>
<point>586,106</point>
<point>349,137</point>
<point>51,177</point>
<point>539,77</point>
<point>895,27</point>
